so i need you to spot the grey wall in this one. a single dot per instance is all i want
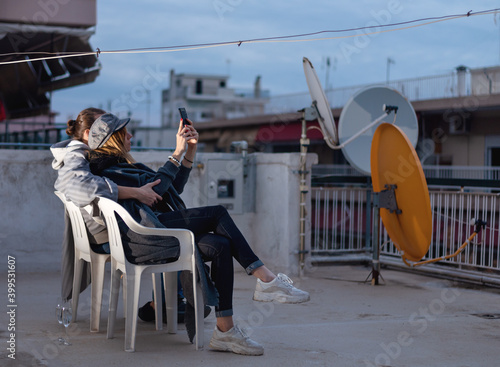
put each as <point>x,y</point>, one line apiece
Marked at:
<point>31,216</point>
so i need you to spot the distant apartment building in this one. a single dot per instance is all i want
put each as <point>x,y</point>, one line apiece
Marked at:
<point>208,98</point>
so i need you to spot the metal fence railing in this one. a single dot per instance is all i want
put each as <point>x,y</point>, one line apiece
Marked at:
<point>452,213</point>
<point>339,221</point>
<point>416,89</point>
<point>450,85</point>
<point>430,172</point>
<point>342,224</point>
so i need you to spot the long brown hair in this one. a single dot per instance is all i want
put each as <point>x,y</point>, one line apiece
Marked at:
<point>115,145</point>
<point>84,120</point>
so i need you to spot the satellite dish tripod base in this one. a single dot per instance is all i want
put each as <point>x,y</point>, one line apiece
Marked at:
<point>384,199</point>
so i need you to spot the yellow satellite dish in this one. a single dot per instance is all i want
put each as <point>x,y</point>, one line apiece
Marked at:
<point>397,173</point>
<point>395,163</point>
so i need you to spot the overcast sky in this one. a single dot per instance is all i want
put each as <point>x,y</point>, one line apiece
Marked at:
<point>422,51</point>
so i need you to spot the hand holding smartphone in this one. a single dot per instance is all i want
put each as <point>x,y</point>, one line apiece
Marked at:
<point>184,116</point>
<point>185,122</point>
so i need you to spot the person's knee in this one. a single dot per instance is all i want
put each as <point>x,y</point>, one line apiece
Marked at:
<point>214,246</point>
<point>220,210</point>
<point>223,246</point>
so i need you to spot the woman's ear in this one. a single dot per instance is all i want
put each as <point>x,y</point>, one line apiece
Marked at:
<point>86,136</point>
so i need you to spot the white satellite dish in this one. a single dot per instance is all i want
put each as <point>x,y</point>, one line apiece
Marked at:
<point>359,118</point>
<point>357,122</point>
<point>320,103</point>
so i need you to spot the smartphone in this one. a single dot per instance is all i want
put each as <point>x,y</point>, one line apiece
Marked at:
<point>184,116</point>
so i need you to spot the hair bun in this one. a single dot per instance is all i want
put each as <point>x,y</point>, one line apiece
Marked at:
<point>70,131</point>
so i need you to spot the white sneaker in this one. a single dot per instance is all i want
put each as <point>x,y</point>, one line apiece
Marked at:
<point>280,289</point>
<point>235,340</point>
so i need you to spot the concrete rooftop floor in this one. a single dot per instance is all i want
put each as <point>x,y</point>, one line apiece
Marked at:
<point>410,320</point>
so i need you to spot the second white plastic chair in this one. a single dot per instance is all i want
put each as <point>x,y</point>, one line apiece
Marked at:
<point>132,274</point>
<point>83,252</point>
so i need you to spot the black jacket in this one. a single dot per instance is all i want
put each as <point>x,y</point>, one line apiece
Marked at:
<point>141,249</point>
<point>145,249</point>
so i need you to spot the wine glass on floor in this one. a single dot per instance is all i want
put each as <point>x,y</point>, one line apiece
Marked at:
<point>59,316</point>
<point>67,316</point>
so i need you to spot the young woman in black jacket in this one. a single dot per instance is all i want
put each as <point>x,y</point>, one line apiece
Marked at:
<point>218,238</point>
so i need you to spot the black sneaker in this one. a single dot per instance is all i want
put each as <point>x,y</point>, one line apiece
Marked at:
<point>181,310</point>
<point>147,312</point>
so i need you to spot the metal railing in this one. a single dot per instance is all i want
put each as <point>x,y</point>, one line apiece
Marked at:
<point>430,171</point>
<point>464,172</point>
<point>342,226</point>
<point>452,213</point>
<point>414,89</point>
<point>339,221</point>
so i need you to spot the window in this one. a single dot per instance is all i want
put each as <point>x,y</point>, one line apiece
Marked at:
<point>199,87</point>
<point>495,156</point>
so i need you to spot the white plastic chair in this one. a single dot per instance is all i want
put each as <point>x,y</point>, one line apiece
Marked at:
<point>132,274</point>
<point>83,252</point>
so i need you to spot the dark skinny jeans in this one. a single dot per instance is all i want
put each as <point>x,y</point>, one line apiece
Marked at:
<point>219,241</point>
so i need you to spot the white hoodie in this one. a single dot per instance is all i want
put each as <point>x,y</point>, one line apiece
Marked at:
<point>79,185</point>
<point>74,178</point>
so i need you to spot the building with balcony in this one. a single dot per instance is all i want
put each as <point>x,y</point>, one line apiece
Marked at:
<point>458,116</point>
<point>208,98</point>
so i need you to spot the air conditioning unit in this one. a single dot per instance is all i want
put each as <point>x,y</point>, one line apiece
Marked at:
<point>458,125</point>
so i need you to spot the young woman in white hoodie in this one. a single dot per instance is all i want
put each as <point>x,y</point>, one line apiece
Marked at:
<point>80,186</point>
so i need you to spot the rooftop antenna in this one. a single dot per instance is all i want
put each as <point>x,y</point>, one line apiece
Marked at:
<point>327,74</point>
<point>387,73</point>
<point>495,21</point>
<point>148,101</point>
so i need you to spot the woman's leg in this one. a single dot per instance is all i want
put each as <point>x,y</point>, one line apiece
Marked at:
<point>214,219</point>
<point>217,249</point>
<point>225,323</point>
<point>264,274</point>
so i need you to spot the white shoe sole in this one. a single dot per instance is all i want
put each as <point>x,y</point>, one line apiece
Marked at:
<point>279,297</point>
<point>235,348</point>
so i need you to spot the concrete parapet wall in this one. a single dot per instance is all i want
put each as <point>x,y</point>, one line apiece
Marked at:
<point>32,221</point>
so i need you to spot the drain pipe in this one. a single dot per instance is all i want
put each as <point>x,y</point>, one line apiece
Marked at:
<point>489,80</point>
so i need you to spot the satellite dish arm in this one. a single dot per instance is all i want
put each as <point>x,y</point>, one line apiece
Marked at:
<point>355,136</point>
<point>330,143</point>
<point>317,115</point>
<point>327,139</point>
<point>387,110</point>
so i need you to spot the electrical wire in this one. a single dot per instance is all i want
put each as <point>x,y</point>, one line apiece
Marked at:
<point>288,38</point>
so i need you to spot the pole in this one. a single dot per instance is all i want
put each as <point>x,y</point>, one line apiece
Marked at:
<point>376,241</point>
<point>389,62</point>
<point>304,189</point>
